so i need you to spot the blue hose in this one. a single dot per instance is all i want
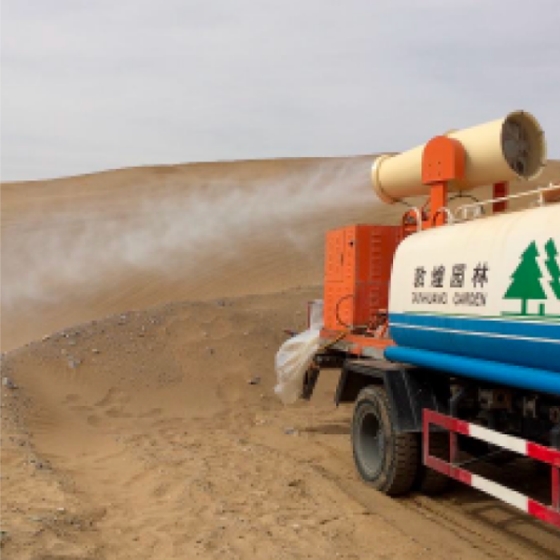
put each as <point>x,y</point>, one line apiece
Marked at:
<point>484,370</point>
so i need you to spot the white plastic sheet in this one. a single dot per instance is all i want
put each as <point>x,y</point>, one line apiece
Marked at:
<point>295,355</point>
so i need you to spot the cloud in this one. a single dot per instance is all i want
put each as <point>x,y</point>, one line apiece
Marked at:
<point>96,85</point>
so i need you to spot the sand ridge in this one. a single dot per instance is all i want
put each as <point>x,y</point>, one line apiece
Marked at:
<point>82,248</point>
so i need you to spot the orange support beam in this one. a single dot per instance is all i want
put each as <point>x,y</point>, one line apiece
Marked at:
<point>443,161</point>
<point>500,190</point>
<point>438,200</point>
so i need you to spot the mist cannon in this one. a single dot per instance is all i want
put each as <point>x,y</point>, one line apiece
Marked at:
<point>499,151</point>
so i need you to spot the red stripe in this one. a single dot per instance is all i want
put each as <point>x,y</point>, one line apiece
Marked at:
<point>544,454</point>
<point>543,513</point>
<point>449,470</point>
<point>447,422</point>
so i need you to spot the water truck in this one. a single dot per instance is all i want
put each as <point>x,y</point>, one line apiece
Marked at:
<point>446,326</point>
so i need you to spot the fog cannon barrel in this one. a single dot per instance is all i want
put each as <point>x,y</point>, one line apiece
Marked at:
<point>510,148</point>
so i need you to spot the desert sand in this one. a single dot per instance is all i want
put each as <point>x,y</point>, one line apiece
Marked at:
<point>141,311</point>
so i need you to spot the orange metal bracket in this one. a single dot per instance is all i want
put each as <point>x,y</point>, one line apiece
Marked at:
<point>443,160</point>
<point>500,190</point>
<point>438,199</point>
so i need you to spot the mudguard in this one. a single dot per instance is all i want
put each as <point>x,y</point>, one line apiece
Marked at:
<point>409,389</point>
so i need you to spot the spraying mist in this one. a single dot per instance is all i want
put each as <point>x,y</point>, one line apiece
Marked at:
<point>45,257</point>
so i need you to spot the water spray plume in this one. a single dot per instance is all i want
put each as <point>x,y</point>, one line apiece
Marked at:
<point>47,256</point>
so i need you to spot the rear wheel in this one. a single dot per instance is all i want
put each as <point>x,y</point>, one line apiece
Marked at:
<point>385,459</point>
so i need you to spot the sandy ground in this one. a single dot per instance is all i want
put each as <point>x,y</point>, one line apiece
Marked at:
<point>155,433</point>
<point>141,436</point>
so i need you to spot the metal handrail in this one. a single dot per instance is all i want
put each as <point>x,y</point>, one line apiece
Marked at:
<point>461,213</point>
<point>418,214</point>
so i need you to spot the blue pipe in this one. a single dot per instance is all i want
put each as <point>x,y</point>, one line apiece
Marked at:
<point>484,370</point>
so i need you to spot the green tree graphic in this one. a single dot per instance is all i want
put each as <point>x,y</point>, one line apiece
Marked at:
<point>525,283</point>
<point>552,265</point>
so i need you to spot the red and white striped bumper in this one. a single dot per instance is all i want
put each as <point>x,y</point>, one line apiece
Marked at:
<point>549,514</point>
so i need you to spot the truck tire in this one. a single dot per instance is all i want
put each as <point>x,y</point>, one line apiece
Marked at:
<point>385,459</point>
<point>432,482</point>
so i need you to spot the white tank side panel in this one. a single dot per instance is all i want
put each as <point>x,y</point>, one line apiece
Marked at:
<point>504,266</point>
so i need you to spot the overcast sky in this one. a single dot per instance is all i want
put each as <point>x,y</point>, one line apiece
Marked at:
<point>89,85</point>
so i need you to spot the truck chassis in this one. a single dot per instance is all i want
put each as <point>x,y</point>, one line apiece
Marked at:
<point>417,429</point>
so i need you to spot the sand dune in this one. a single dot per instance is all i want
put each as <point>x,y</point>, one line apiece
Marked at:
<point>155,433</point>
<point>82,248</point>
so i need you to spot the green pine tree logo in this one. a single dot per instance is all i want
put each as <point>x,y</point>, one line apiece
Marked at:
<point>552,266</point>
<point>525,281</point>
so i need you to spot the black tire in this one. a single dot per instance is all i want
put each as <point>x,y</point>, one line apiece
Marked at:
<point>386,460</point>
<point>429,481</point>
